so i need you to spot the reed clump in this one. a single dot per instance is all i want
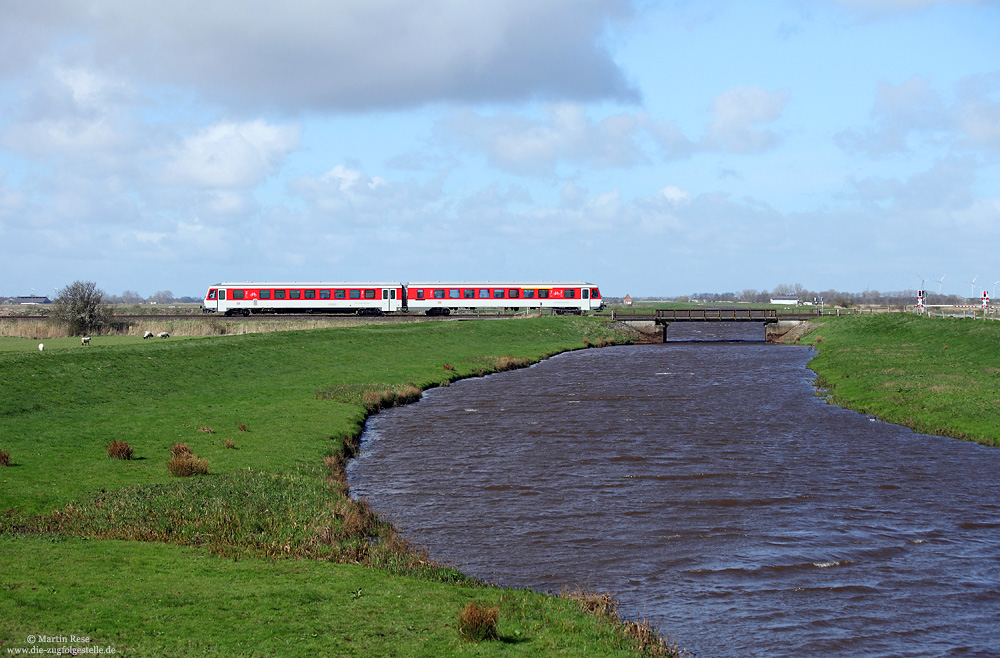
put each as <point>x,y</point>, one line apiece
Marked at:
<point>184,463</point>
<point>4,458</point>
<point>120,450</point>
<point>373,397</point>
<point>477,622</point>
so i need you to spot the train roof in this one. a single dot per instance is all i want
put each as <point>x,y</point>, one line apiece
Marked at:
<point>390,284</point>
<point>488,284</point>
<point>308,284</point>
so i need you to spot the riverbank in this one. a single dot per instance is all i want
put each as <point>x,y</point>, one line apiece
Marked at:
<point>934,375</point>
<point>266,554</point>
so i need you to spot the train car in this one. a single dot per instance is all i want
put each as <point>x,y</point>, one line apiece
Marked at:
<point>442,298</point>
<point>361,298</point>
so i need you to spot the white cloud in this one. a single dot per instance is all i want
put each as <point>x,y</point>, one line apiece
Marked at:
<point>230,155</point>
<point>737,115</point>
<point>351,54</point>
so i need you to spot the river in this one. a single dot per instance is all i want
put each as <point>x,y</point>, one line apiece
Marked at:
<point>711,491</point>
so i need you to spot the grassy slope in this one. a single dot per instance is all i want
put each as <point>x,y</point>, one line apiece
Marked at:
<point>935,375</point>
<point>60,408</point>
<point>157,600</point>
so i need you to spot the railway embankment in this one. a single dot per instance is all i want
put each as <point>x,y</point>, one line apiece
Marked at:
<point>264,553</point>
<point>935,375</point>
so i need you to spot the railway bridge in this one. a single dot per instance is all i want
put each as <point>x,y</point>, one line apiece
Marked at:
<point>654,325</point>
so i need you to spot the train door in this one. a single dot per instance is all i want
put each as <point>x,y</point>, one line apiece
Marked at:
<point>389,303</point>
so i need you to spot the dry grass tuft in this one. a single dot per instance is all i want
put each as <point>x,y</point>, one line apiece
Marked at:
<point>242,427</point>
<point>448,366</point>
<point>120,450</point>
<point>179,449</point>
<point>206,429</point>
<point>230,444</point>
<point>4,458</point>
<point>185,465</point>
<point>478,622</point>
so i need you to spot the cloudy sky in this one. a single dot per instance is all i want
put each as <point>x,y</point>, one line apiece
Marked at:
<point>651,147</point>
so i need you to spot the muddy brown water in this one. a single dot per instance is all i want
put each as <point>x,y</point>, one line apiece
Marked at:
<point>708,488</point>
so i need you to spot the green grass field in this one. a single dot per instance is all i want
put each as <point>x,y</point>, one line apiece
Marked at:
<point>265,555</point>
<point>935,375</point>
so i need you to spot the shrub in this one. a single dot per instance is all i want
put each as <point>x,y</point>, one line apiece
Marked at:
<point>4,458</point>
<point>478,622</point>
<point>184,465</point>
<point>119,450</point>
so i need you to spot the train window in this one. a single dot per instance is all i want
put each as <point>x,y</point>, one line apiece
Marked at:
<point>338,294</point>
<point>585,293</point>
<point>385,294</point>
<point>438,293</point>
<point>310,294</point>
<point>595,293</point>
<point>393,294</point>
<point>324,294</point>
<point>468,293</point>
<point>453,293</point>
<point>514,293</point>
<point>569,293</point>
<point>222,294</point>
<point>295,294</point>
<point>355,294</point>
<point>211,294</point>
<point>265,294</point>
<point>369,294</point>
<point>237,294</point>
<point>279,294</point>
<point>420,294</point>
<point>543,294</point>
<point>498,293</point>
<point>484,293</point>
<point>529,293</point>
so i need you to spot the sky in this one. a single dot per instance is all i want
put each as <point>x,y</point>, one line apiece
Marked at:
<point>649,147</point>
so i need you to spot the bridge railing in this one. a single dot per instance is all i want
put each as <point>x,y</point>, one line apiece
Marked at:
<point>717,315</point>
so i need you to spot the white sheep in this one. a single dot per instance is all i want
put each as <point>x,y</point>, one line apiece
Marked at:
<point>85,340</point>
<point>163,334</point>
<point>41,346</point>
<point>148,334</point>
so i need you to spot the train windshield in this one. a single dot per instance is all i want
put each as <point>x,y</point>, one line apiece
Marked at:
<point>211,294</point>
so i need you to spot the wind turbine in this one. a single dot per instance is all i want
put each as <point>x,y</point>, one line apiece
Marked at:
<point>972,286</point>
<point>940,282</point>
<point>995,288</point>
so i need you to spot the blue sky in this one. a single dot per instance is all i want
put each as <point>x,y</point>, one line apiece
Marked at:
<point>650,147</point>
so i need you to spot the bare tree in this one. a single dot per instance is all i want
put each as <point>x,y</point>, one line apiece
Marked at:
<point>131,297</point>
<point>81,306</point>
<point>161,297</point>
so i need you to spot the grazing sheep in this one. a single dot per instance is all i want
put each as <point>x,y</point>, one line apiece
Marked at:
<point>85,340</point>
<point>163,334</point>
<point>148,334</point>
<point>41,346</point>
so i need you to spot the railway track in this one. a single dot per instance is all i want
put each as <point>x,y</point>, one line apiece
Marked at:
<point>336,317</point>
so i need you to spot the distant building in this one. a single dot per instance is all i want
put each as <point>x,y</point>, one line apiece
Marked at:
<point>790,301</point>
<point>627,301</point>
<point>30,300</point>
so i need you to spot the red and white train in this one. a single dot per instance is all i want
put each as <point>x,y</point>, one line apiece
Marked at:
<point>378,298</point>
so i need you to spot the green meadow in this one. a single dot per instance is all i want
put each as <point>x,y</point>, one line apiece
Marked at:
<point>935,375</point>
<point>265,555</point>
